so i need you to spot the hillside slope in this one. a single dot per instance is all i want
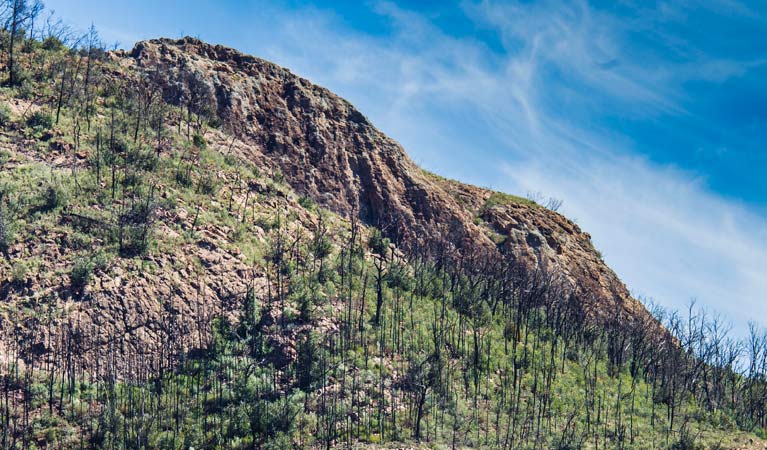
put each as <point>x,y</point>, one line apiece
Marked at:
<point>202,250</point>
<point>329,151</point>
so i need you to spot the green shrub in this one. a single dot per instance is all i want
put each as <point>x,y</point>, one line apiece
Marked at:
<point>132,179</point>
<point>78,241</point>
<point>207,185</point>
<point>306,202</point>
<point>199,141</point>
<point>307,367</point>
<point>503,199</point>
<point>54,196</point>
<point>81,273</point>
<point>20,76</point>
<point>101,261</point>
<point>686,441</point>
<point>5,115</point>
<point>52,43</point>
<point>215,122</point>
<point>6,230</point>
<point>722,421</point>
<point>40,120</point>
<point>135,228</point>
<point>184,176</point>
<point>141,159</point>
<point>397,277</point>
<point>121,145</point>
<point>140,213</point>
<point>378,244</point>
<point>135,240</point>
<point>321,247</point>
<point>25,89</point>
<point>266,223</point>
<point>19,272</point>
<point>231,160</point>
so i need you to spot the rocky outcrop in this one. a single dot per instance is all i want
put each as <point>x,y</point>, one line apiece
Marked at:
<point>324,147</point>
<point>328,150</point>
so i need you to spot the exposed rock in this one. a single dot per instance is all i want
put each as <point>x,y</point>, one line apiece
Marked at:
<point>328,150</point>
<point>324,149</point>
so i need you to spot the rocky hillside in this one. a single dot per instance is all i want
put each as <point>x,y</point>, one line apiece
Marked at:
<point>203,250</point>
<point>283,127</point>
<point>331,152</point>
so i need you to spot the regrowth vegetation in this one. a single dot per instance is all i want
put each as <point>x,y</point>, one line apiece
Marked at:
<point>339,339</point>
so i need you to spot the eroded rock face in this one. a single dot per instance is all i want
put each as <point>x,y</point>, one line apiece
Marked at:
<point>329,151</point>
<point>325,148</point>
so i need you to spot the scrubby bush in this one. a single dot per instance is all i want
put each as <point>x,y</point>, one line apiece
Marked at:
<point>133,179</point>
<point>6,230</point>
<point>139,214</point>
<point>378,244</point>
<point>54,196</point>
<point>81,273</point>
<point>5,115</point>
<point>19,272</point>
<point>199,141</point>
<point>78,241</point>
<point>141,158</point>
<point>215,122</point>
<point>24,89</point>
<point>686,441</point>
<point>135,229</point>
<point>40,120</point>
<point>121,145</point>
<point>20,76</point>
<point>101,261</point>
<point>321,247</point>
<point>306,202</point>
<point>52,43</point>
<point>207,185</point>
<point>184,177</point>
<point>135,242</point>
<point>306,366</point>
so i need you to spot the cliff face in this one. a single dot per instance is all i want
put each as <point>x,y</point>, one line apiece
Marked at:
<point>325,148</point>
<point>329,151</point>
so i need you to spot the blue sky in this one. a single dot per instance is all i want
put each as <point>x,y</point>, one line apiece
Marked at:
<point>649,119</point>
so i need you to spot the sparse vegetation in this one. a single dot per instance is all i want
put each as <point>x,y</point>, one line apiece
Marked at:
<point>335,336</point>
<point>6,230</point>
<point>306,202</point>
<point>207,185</point>
<point>502,199</point>
<point>19,272</point>
<point>199,141</point>
<point>5,115</point>
<point>54,196</point>
<point>40,121</point>
<point>81,273</point>
<point>550,203</point>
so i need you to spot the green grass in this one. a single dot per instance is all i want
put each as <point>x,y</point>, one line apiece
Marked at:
<point>503,199</point>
